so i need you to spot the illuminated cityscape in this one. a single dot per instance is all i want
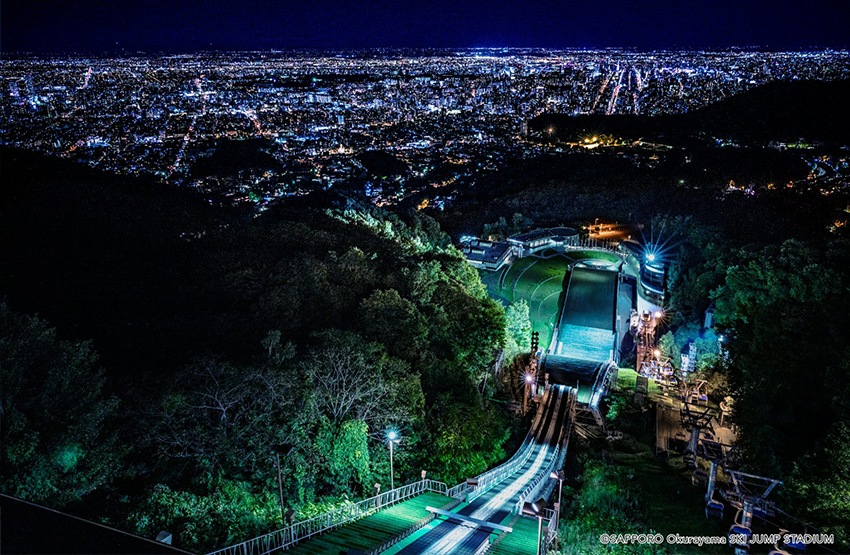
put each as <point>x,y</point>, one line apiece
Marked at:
<point>447,277</point>
<point>382,124</point>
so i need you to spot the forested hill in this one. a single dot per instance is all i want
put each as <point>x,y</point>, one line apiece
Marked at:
<point>778,111</point>
<point>213,337</point>
<point>105,257</point>
<point>156,276</point>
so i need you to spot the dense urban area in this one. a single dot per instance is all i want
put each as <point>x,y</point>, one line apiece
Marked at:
<point>261,302</point>
<point>385,125</point>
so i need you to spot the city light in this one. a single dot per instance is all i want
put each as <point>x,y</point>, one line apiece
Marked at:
<point>172,120</point>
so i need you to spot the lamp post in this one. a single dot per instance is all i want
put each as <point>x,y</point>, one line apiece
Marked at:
<point>528,379</point>
<point>559,475</point>
<point>392,438</point>
<point>536,510</point>
<point>278,450</point>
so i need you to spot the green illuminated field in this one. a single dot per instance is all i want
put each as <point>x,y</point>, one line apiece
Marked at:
<point>627,378</point>
<point>372,531</point>
<point>522,541</point>
<point>540,282</point>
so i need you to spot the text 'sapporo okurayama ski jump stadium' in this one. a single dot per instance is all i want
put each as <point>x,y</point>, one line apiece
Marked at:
<point>581,295</point>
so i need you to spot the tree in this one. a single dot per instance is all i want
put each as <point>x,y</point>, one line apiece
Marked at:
<point>820,483</point>
<point>228,513</point>
<point>55,418</point>
<point>467,437</point>
<point>348,460</point>
<point>351,379</point>
<point>223,417</point>
<point>668,347</point>
<point>792,271</point>
<point>607,500</point>
<point>394,321</point>
<point>784,308</point>
<point>517,329</point>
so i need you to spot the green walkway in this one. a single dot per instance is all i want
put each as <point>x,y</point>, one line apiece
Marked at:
<point>400,546</point>
<point>370,532</point>
<point>522,541</point>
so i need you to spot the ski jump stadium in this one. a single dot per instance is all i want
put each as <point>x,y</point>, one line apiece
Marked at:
<point>580,297</point>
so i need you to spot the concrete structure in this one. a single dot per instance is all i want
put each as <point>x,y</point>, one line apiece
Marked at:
<point>540,239</point>
<point>653,276</point>
<point>487,255</point>
<point>493,255</point>
<point>585,349</point>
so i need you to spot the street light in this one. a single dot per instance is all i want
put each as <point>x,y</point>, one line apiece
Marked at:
<point>283,449</point>
<point>392,438</point>
<point>528,379</point>
<point>559,475</point>
<point>536,510</point>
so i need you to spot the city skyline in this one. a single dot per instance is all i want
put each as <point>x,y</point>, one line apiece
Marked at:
<point>90,27</point>
<point>394,128</point>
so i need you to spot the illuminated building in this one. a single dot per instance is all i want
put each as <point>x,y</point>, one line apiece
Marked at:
<point>653,274</point>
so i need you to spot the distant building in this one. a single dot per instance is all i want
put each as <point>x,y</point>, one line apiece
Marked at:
<point>30,88</point>
<point>487,255</point>
<point>689,359</point>
<point>540,239</point>
<point>492,255</point>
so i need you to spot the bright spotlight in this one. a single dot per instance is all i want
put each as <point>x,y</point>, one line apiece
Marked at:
<point>650,257</point>
<point>656,352</point>
<point>391,435</point>
<point>658,314</point>
<point>529,378</point>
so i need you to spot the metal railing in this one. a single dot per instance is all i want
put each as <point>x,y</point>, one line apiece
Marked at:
<point>286,537</point>
<point>550,532</point>
<point>458,491</point>
<point>532,488</point>
<point>495,476</point>
<point>586,243</point>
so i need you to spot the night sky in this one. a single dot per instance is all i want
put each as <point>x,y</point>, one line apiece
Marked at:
<point>178,25</point>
